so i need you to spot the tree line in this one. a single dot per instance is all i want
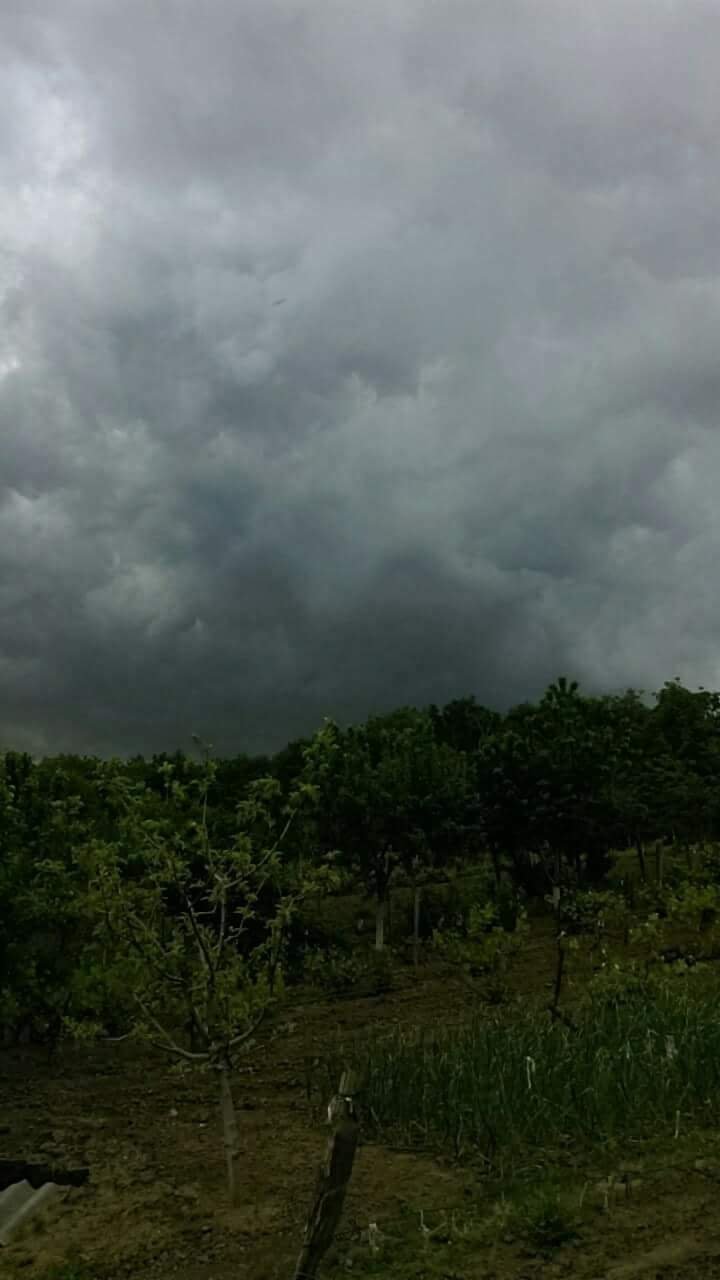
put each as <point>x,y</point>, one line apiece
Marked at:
<point>545,792</point>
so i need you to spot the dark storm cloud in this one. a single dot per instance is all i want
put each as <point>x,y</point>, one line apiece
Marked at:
<point>351,355</point>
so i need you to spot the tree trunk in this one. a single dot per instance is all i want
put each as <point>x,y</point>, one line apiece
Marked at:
<point>495,855</point>
<point>687,849</point>
<point>332,1183</point>
<point>659,863</point>
<point>380,907</point>
<point>382,874</point>
<point>641,859</point>
<point>557,900</point>
<point>559,972</point>
<point>230,1133</point>
<point>416,924</point>
<point>579,869</point>
<point>554,1008</point>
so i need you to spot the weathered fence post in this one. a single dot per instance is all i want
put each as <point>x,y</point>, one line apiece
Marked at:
<point>333,1179</point>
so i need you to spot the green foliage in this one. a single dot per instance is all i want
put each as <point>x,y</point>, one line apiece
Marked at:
<point>694,904</point>
<point>340,972</point>
<point>591,912</point>
<point>499,1088</point>
<point>46,954</point>
<point>196,939</point>
<point>122,912</point>
<point>335,971</point>
<point>387,794</point>
<point>680,919</point>
<point>551,791</point>
<point>545,1218</point>
<point>481,948</point>
<point>70,1271</point>
<point>463,724</point>
<point>614,984</point>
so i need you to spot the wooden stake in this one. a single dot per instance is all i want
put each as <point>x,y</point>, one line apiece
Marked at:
<point>333,1179</point>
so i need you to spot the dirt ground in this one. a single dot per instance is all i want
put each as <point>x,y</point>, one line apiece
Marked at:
<point>155,1203</point>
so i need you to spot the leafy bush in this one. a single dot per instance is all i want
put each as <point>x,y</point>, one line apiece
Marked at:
<point>481,947</point>
<point>546,1220</point>
<point>335,971</point>
<point>614,985</point>
<point>591,912</point>
<point>340,972</point>
<point>696,905</point>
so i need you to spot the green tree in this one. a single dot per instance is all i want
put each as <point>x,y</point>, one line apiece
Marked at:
<point>463,724</point>
<point>44,922</point>
<point>387,794</point>
<point>543,780</point>
<point>195,931</point>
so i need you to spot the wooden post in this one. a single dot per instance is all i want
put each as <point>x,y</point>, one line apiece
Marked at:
<point>556,898</point>
<point>559,971</point>
<point>555,1011</point>
<point>333,1178</point>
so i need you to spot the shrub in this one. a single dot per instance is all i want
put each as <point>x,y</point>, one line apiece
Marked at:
<point>546,1220</point>
<point>481,947</point>
<point>334,970</point>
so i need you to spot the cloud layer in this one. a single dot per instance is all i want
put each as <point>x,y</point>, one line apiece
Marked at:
<point>352,355</point>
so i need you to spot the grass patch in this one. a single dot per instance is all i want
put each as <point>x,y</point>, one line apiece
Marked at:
<point>447,1244</point>
<point>547,1220</point>
<point>500,1088</point>
<point>69,1271</point>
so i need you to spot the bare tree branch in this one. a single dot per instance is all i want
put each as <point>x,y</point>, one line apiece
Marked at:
<point>169,1045</point>
<point>204,953</point>
<point>245,1035</point>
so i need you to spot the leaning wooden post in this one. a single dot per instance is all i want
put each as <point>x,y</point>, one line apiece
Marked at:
<point>333,1178</point>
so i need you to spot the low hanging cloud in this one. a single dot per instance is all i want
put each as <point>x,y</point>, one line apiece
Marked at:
<point>351,355</point>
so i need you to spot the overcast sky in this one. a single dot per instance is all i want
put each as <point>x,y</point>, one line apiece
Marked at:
<point>352,353</point>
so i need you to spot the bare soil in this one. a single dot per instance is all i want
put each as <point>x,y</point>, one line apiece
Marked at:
<point>155,1203</point>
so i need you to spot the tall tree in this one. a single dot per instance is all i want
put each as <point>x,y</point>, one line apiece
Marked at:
<point>387,793</point>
